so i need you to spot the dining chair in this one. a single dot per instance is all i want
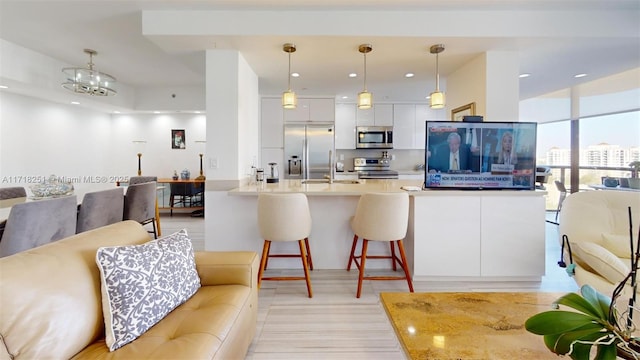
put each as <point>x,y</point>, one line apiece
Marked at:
<point>133,180</point>
<point>34,223</point>
<point>12,192</point>
<point>140,204</point>
<point>563,195</point>
<point>380,217</point>
<point>182,193</point>
<point>100,208</point>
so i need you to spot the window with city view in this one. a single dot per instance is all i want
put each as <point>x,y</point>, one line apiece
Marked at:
<point>609,132</point>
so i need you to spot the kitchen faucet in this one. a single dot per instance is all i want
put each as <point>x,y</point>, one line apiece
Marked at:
<point>331,167</point>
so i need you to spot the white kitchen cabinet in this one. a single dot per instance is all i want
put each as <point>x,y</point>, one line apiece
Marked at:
<point>271,123</point>
<point>409,125</point>
<point>475,235</point>
<point>512,236</point>
<point>423,113</point>
<point>364,117</point>
<point>377,115</point>
<point>404,126</point>
<point>316,110</point>
<point>345,126</point>
<point>322,110</point>
<point>383,115</point>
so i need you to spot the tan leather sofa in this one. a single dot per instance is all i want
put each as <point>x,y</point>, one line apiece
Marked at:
<point>597,226</point>
<point>50,304</point>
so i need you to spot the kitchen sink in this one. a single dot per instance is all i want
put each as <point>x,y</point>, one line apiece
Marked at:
<point>326,181</point>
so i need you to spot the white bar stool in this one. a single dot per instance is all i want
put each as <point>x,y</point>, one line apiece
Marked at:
<point>285,217</point>
<point>380,217</point>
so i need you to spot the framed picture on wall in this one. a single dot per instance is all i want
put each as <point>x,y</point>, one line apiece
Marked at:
<point>178,140</point>
<point>458,113</point>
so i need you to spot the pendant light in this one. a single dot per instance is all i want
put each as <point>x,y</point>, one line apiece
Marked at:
<point>437,99</point>
<point>365,98</point>
<point>289,99</point>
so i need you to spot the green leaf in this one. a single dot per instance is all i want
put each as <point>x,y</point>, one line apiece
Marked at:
<point>597,300</point>
<point>564,341</point>
<point>607,352</point>
<point>581,304</point>
<point>557,322</point>
<point>581,351</point>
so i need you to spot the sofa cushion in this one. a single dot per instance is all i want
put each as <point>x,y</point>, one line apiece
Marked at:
<point>143,283</point>
<point>617,244</point>
<point>602,261</point>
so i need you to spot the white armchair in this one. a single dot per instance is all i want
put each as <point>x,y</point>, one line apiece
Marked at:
<point>597,226</point>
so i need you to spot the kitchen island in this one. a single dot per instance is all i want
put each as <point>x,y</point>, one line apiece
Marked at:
<point>453,235</point>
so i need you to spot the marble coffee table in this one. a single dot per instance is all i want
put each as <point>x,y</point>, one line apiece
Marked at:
<point>475,325</point>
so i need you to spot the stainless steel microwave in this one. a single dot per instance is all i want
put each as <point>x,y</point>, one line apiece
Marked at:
<point>374,137</point>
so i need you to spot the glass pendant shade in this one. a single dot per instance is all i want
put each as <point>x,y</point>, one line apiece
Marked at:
<point>289,100</point>
<point>364,100</point>
<point>437,100</point>
<point>87,80</point>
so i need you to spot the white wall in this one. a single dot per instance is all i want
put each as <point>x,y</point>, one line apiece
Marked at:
<point>158,158</point>
<point>39,138</point>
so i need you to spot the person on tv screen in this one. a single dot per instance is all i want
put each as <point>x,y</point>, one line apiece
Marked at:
<point>506,154</point>
<point>451,157</point>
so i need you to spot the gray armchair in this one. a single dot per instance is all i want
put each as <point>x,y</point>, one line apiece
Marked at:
<point>100,208</point>
<point>140,204</point>
<point>36,223</point>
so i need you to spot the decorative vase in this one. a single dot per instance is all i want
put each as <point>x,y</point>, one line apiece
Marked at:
<point>185,174</point>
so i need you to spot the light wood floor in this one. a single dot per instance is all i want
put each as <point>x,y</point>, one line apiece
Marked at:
<point>334,324</point>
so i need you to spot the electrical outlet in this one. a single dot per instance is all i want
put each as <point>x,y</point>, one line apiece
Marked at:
<point>213,163</point>
<point>341,157</point>
<point>393,156</point>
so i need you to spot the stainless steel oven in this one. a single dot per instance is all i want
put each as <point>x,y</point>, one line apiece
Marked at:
<point>374,137</point>
<point>374,168</point>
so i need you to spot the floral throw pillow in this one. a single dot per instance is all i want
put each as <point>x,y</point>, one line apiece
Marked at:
<point>141,284</point>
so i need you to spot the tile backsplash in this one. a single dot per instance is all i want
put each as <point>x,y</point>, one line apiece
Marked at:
<point>404,159</point>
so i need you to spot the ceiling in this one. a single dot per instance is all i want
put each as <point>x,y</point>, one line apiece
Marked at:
<point>62,29</point>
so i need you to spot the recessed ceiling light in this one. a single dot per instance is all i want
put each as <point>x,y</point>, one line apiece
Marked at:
<point>197,112</point>
<point>295,74</point>
<point>427,97</point>
<point>75,103</point>
<point>116,112</point>
<point>524,75</point>
<point>352,75</point>
<point>579,75</point>
<point>156,112</point>
<point>345,97</point>
<point>409,75</point>
<point>4,87</point>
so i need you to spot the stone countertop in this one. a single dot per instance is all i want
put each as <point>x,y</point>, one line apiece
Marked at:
<point>365,186</point>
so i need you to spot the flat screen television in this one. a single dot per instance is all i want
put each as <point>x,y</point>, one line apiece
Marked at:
<point>480,155</point>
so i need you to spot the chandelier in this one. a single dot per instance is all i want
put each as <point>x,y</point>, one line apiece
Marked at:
<point>87,80</point>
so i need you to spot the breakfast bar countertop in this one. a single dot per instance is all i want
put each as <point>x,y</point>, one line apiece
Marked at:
<point>326,189</point>
<point>347,188</point>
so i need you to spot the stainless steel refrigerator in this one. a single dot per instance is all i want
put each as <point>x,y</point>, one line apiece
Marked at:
<point>307,150</point>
